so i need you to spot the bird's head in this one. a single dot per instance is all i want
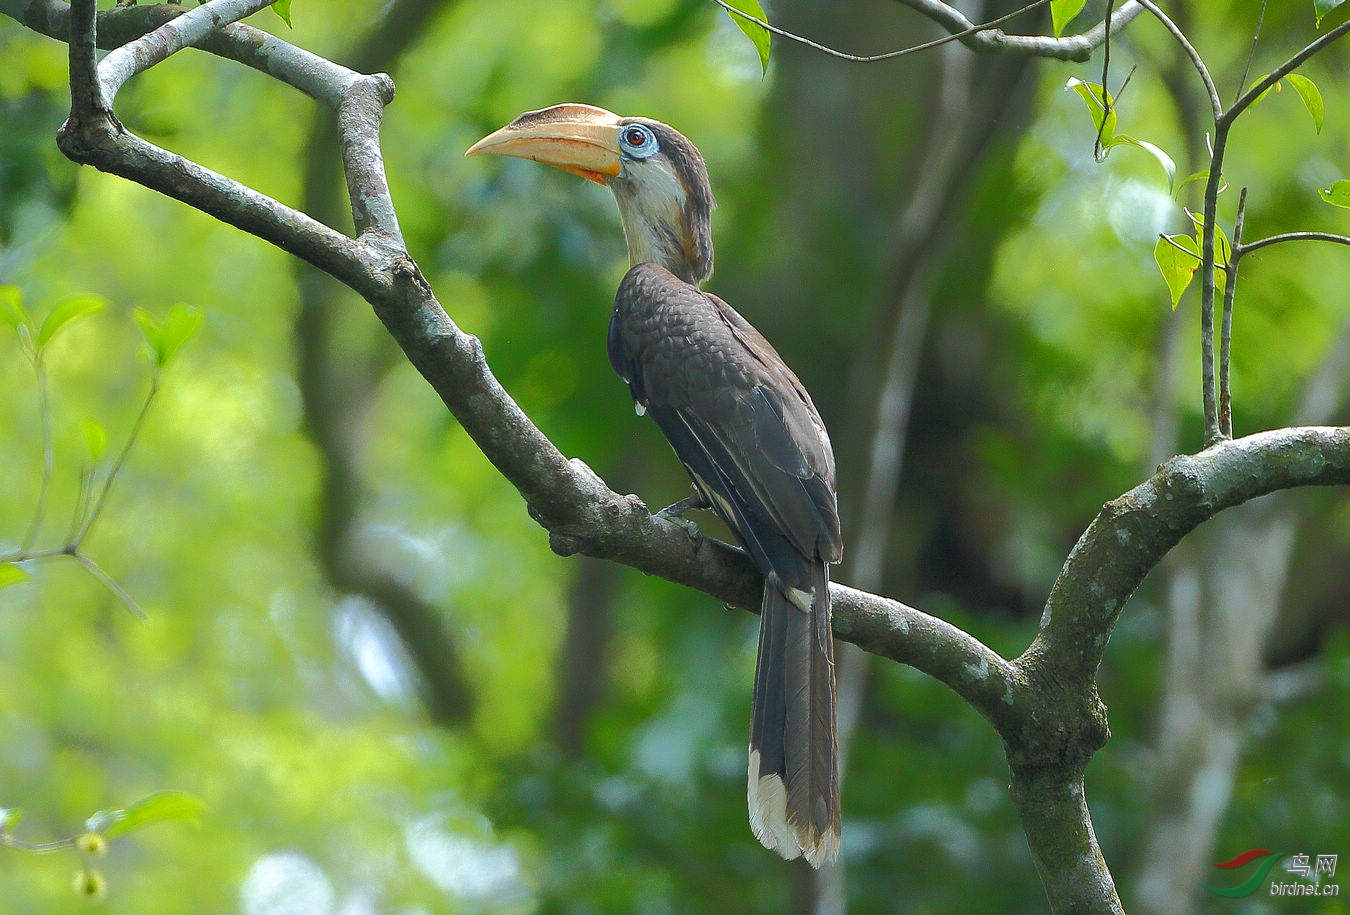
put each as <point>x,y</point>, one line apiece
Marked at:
<point>657,176</point>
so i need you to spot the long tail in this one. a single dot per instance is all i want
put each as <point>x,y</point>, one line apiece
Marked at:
<point>794,774</point>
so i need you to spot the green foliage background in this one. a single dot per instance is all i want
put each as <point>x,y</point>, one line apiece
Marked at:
<point>290,708</point>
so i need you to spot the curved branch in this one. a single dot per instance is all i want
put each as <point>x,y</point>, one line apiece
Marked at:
<point>976,36</point>
<point>1289,66</point>
<point>180,32</point>
<point>1196,60</point>
<point>1132,533</point>
<point>332,390</point>
<point>1240,249</point>
<point>1068,47</point>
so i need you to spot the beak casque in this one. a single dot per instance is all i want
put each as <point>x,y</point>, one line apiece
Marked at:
<point>580,139</point>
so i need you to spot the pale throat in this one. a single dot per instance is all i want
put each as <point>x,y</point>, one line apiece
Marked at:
<point>651,206</point>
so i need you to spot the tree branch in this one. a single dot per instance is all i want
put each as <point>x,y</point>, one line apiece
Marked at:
<point>976,36</point>
<point>582,515</point>
<point>1068,47</point>
<point>332,390</point>
<point>1043,704</point>
<point>1133,532</point>
<point>1226,324</point>
<point>1243,248</point>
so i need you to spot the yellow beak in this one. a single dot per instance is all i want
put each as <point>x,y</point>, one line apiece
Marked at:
<point>580,139</point>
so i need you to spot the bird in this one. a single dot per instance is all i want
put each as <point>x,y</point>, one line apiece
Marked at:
<point>744,428</point>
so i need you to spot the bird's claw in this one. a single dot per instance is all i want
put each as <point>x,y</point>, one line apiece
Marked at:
<point>696,502</point>
<point>675,514</point>
<point>690,527</point>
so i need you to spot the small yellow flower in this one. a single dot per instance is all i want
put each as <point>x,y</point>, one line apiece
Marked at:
<point>90,884</point>
<point>92,844</point>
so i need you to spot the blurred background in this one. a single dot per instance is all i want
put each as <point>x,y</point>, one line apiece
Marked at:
<point>360,652</point>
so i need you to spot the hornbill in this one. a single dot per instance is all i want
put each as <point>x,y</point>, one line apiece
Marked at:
<point>745,430</point>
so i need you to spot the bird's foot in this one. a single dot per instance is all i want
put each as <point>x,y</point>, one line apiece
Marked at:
<point>676,514</point>
<point>696,502</point>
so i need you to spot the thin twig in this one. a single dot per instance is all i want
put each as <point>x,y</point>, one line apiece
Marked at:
<point>1289,66</point>
<point>8,840</point>
<point>83,500</point>
<point>1196,60</point>
<point>1260,243</point>
<point>97,510</point>
<point>1226,326</point>
<point>1251,53</point>
<point>1209,397</point>
<point>1173,242</point>
<point>1106,95</point>
<point>103,578</point>
<point>890,55</point>
<point>48,457</point>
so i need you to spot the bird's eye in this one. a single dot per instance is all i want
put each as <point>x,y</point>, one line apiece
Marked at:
<point>638,141</point>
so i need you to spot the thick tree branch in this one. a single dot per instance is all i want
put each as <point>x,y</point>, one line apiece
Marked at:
<point>178,33</point>
<point>1133,532</point>
<point>334,391</point>
<point>583,515</point>
<point>1043,704</point>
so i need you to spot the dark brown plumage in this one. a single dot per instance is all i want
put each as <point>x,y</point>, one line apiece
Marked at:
<point>745,430</point>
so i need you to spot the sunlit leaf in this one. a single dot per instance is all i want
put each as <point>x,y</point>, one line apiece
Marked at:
<point>96,437</point>
<point>1169,167</point>
<point>65,312</point>
<point>1062,12</point>
<point>1100,106</point>
<point>163,807</point>
<point>753,30</point>
<point>11,306</point>
<point>1322,7</point>
<point>10,574</point>
<point>180,325</point>
<point>283,9</point>
<point>1177,257</point>
<point>1223,250</point>
<point>1338,195</point>
<point>1312,98</point>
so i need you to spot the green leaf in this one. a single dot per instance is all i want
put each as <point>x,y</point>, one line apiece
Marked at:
<point>1338,195</point>
<point>96,437</point>
<point>1177,257</point>
<point>1062,12</point>
<point>1322,7</point>
<point>1273,87</point>
<point>1100,106</point>
<point>1312,98</point>
<point>283,9</point>
<point>1163,158</point>
<point>753,30</point>
<point>11,306</point>
<point>168,337</point>
<point>162,807</point>
<point>10,574</point>
<point>65,312</point>
<point>1198,176</point>
<point>180,326</point>
<point>9,818</point>
<point>1223,250</point>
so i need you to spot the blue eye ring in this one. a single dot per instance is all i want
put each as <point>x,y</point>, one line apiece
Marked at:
<point>637,140</point>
